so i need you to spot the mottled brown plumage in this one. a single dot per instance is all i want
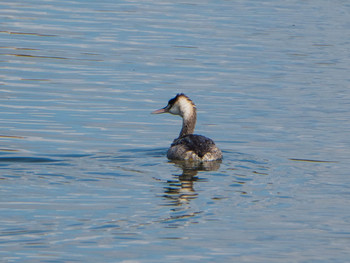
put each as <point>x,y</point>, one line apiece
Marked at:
<point>189,146</point>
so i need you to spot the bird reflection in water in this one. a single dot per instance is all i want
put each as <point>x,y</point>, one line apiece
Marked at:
<point>181,190</point>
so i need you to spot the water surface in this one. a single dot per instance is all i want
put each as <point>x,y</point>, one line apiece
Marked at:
<point>84,174</point>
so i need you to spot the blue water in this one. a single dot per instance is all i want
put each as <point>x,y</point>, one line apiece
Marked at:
<point>84,174</point>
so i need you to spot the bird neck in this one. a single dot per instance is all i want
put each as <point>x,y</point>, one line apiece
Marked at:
<point>189,123</point>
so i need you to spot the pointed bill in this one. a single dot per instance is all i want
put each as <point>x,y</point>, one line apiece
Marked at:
<point>163,110</point>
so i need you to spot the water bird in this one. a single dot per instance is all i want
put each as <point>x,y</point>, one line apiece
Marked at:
<point>189,146</point>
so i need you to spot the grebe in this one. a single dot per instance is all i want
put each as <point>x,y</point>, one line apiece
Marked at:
<point>189,146</point>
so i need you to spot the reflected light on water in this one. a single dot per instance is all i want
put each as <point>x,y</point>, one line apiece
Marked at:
<point>84,173</point>
<point>181,190</point>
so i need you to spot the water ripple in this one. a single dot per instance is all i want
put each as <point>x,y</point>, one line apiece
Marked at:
<point>84,173</point>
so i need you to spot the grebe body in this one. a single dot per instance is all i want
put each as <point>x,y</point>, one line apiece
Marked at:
<point>189,146</point>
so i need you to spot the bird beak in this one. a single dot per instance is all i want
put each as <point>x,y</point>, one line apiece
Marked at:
<point>163,110</point>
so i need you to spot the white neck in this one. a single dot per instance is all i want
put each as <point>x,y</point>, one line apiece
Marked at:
<point>189,122</point>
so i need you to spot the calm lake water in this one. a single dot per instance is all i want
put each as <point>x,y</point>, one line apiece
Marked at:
<point>84,174</point>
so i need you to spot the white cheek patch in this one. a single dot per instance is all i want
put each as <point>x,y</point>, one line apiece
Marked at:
<point>182,107</point>
<point>175,110</point>
<point>187,108</point>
